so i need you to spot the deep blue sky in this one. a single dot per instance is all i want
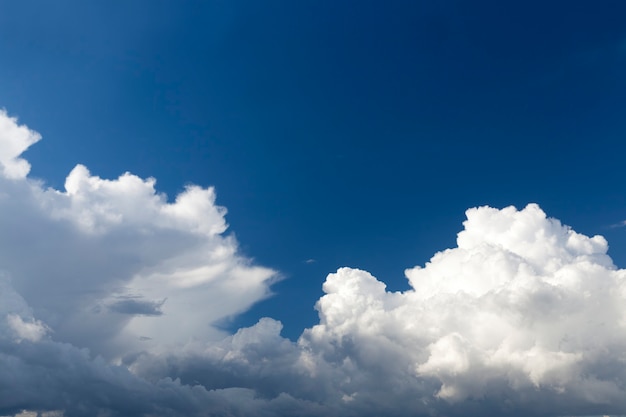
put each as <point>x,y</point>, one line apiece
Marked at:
<point>355,133</point>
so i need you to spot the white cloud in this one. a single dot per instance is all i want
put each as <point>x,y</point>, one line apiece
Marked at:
<point>74,254</point>
<point>32,330</point>
<point>523,317</point>
<point>523,302</point>
<point>15,139</point>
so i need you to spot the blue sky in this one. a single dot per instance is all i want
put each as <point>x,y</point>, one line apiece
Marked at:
<point>350,133</point>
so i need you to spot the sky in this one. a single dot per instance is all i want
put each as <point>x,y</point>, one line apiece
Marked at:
<point>312,208</point>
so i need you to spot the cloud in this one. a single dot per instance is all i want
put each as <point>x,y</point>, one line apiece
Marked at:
<point>109,293</point>
<point>15,139</point>
<point>32,330</point>
<point>620,224</point>
<point>97,260</point>
<point>524,309</point>
<point>135,306</point>
<point>524,317</point>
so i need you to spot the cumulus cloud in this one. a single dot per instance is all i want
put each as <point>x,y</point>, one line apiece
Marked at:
<point>524,309</point>
<point>106,263</point>
<point>15,139</point>
<point>523,317</point>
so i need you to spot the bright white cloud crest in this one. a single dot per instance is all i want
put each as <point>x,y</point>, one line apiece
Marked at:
<point>523,303</point>
<point>15,139</point>
<point>524,317</point>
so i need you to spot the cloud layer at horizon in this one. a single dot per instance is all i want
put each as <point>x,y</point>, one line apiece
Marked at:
<point>524,317</point>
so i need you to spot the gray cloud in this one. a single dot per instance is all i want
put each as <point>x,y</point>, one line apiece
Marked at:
<point>136,306</point>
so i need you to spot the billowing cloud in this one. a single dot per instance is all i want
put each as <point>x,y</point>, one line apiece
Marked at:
<point>524,317</point>
<point>15,139</point>
<point>109,293</point>
<point>111,264</point>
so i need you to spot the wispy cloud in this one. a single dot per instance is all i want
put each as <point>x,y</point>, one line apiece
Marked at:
<point>620,224</point>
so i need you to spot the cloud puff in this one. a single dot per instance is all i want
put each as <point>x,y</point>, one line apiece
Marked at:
<point>523,317</point>
<point>15,139</point>
<point>524,309</point>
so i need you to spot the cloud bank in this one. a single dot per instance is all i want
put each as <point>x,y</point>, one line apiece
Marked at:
<point>110,264</point>
<point>109,295</point>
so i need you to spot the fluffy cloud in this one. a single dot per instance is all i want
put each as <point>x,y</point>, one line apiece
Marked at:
<point>110,264</point>
<point>15,139</point>
<point>523,317</point>
<point>525,314</point>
